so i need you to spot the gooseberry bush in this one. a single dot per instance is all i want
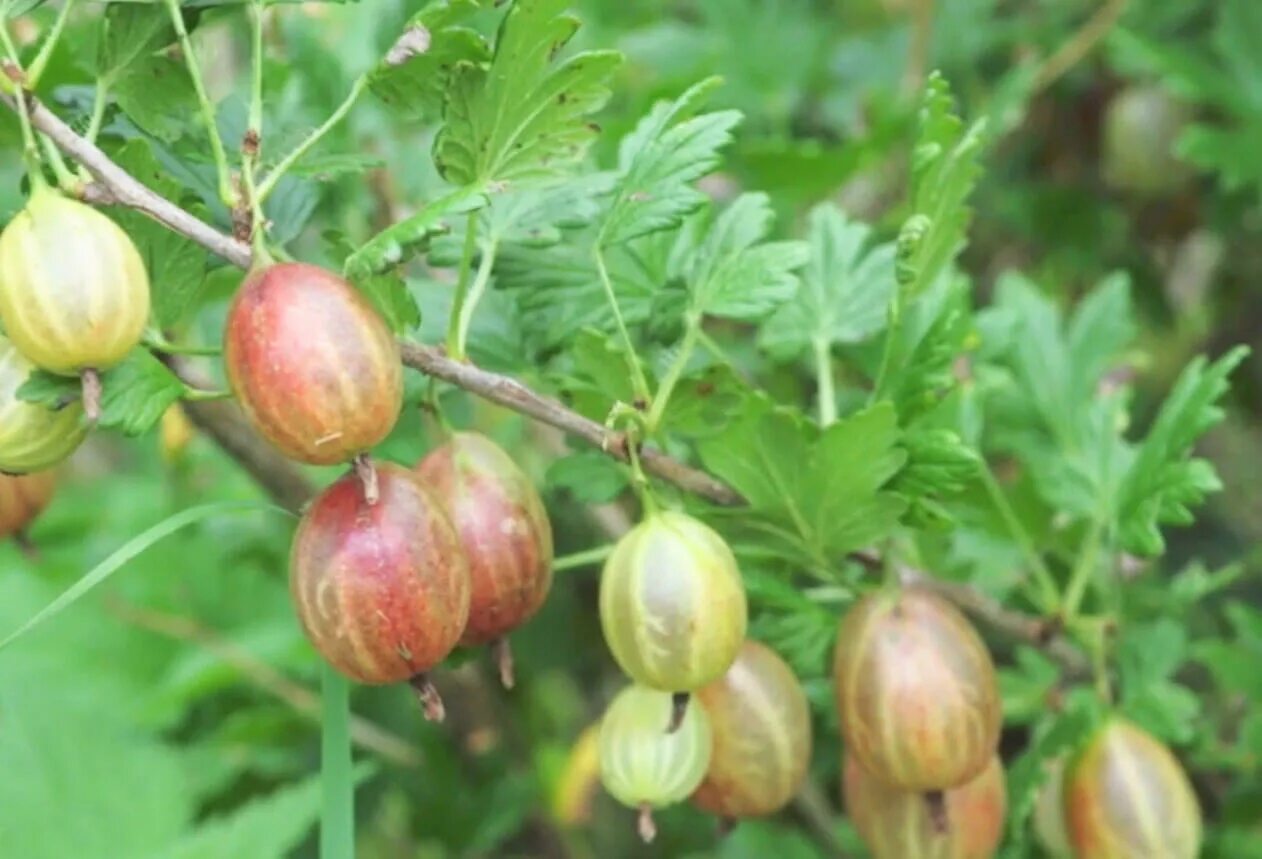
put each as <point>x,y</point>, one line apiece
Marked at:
<point>709,474</point>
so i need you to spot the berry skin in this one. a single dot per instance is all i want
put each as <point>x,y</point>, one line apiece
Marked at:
<point>1141,127</point>
<point>22,499</point>
<point>32,438</point>
<point>314,367</point>
<point>1126,797</point>
<point>642,766</point>
<point>503,528</point>
<point>762,736</point>
<point>74,294</point>
<point>672,603</point>
<point>916,691</point>
<point>381,590</point>
<point>899,824</point>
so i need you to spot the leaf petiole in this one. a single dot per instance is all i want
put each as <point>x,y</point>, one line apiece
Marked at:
<point>660,400</point>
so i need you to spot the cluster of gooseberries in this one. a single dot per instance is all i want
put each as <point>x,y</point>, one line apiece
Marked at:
<point>74,300</point>
<point>393,567</point>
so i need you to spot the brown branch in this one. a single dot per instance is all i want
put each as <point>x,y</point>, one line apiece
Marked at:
<point>224,423</point>
<point>365,734</point>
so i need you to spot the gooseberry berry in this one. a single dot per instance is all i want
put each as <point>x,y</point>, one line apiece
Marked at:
<point>381,590</point>
<point>672,605</point>
<point>1126,797</point>
<point>32,437</point>
<point>314,366</point>
<point>644,767</point>
<point>74,293</point>
<point>22,498</point>
<point>762,736</point>
<point>916,691</point>
<point>902,824</point>
<point>505,532</point>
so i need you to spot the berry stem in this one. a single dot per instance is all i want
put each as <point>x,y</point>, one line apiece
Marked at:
<point>427,694</point>
<point>227,193</point>
<point>639,381</point>
<point>644,823</point>
<point>691,331</point>
<point>455,343</point>
<point>268,184</point>
<point>367,474</point>
<point>91,381</point>
<point>502,655</point>
<point>935,804</point>
<point>678,709</point>
<point>26,545</point>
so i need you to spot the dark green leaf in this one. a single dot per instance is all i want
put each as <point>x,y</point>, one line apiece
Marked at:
<point>591,477</point>
<point>523,117</point>
<point>395,244</point>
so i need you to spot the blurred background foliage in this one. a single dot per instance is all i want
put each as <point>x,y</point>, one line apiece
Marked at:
<point>175,712</point>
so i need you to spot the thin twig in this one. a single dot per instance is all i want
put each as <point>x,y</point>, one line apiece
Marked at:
<point>365,734</point>
<point>1080,44</point>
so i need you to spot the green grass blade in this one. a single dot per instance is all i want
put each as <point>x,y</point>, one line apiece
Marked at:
<point>130,550</point>
<point>337,819</point>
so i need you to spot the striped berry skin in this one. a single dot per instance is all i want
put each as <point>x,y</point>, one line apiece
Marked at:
<point>762,736</point>
<point>916,691</point>
<point>382,590</point>
<point>898,824</point>
<point>642,765</point>
<point>503,528</point>
<point>1126,797</point>
<point>672,603</point>
<point>32,438</point>
<point>22,499</point>
<point>74,294</point>
<point>312,363</point>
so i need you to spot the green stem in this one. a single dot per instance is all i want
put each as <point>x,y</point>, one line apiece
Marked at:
<point>1093,634</point>
<point>455,345</point>
<point>476,290</point>
<point>887,351</point>
<point>585,558</point>
<point>197,395</point>
<point>638,380</point>
<point>1049,593</point>
<point>692,321</point>
<point>30,149</point>
<point>712,346</point>
<point>66,179</point>
<point>824,373</point>
<point>255,121</point>
<point>337,816</point>
<point>227,193</point>
<point>638,477</point>
<point>1088,560</point>
<point>269,182</point>
<point>36,69</point>
<point>99,102</point>
<point>159,343</point>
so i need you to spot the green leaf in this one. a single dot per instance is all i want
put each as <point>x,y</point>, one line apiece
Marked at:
<point>1165,481</point>
<point>129,551</point>
<point>826,489</point>
<point>131,32</point>
<point>400,241</point>
<point>416,86</point>
<point>522,117</point>
<point>176,265</point>
<point>732,275</point>
<point>844,289</point>
<point>136,393</point>
<point>591,477</point>
<point>269,827</point>
<point>157,94</point>
<point>939,464</point>
<point>88,784</point>
<point>660,160</point>
<point>390,294</point>
<point>1148,655</point>
<point>945,167</point>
